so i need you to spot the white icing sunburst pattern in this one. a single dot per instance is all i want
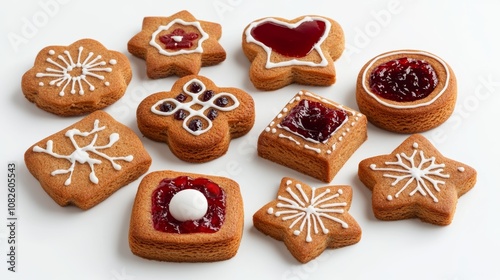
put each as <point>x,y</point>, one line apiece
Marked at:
<point>66,71</point>
<point>82,154</point>
<point>309,211</point>
<point>419,173</point>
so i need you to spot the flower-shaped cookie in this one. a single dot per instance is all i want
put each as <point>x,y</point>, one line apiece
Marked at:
<point>196,118</point>
<point>309,220</point>
<point>177,45</point>
<point>76,79</point>
<point>416,180</point>
<point>301,51</point>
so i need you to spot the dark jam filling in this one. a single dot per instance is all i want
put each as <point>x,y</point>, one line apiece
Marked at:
<point>161,197</point>
<point>403,80</point>
<point>178,39</point>
<point>291,42</point>
<point>314,121</point>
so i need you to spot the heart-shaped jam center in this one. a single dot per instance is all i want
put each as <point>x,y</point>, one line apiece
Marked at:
<point>171,199</point>
<point>312,120</point>
<point>403,80</point>
<point>287,40</point>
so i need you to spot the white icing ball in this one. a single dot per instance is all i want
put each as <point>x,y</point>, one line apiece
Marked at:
<point>188,205</point>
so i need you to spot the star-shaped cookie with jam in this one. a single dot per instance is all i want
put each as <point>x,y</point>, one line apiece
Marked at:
<point>309,220</point>
<point>177,45</point>
<point>416,181</point>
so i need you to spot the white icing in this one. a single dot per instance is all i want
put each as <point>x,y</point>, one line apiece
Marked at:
<point>188,205</point>
<point>291,61</point>
<point>421,172</point>
<point>289,138</point>
<point>461,169</point>
<point>112,61</point>
<point>310,211</point>
<point>82,155</point>
<point>317,150</point>
<point>270,211</point>
<point>196,113</point>
<point>401,105</point>
<point>67,72</point>
<point>161,50</point>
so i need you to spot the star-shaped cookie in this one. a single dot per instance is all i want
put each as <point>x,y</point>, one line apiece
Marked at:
<point>284,51</point>
<point>177,45</point>
<point>416,181</point>
<point>309,220</point>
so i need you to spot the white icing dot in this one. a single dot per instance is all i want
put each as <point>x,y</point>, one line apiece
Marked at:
<point>415,145</point>
<point>461,169</point>
<point>270,211</point>
<point>188,205</point>
<point>112,61</point>
<point>280,115</point>
<point>298,185</point>
<point>273,130</point>
<point>106,84</point>
<point>340,191</point>
<point>288,182</point>
<point>268,129</point>
<point>285,110</point>
<point>296,232</point>
<point>328,152</point>
<point>41,84</point>
<point>373,166</point>
<point>52,52</point>
<point>389,197</point>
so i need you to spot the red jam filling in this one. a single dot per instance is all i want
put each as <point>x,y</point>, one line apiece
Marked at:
<point>403,80</point>
<point>291,42</point>
<point>168,187</point>
<point>312,120</point>
<point>178,39</point>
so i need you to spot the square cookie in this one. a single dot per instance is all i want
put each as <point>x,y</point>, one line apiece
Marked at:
<point>313,135</point>
<point>185,217</point>
<point>88,161</point>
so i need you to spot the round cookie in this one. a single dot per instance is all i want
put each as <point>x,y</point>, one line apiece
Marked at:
<point>406,91</point>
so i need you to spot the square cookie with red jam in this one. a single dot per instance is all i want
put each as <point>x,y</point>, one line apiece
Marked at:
<point>185,217</point>
<point>88,161</point>
<point>300,50</point>
<point>313,135</point>
<point>196,118</point>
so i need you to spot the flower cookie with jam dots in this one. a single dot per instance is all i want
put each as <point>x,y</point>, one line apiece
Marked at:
<point>416,181</point>
<point>406,91</point>
<point>88,161</point>
<point>309,220</point>
<point>313,135</point>
<point>284,51</point>
<point>196,118</point>
<point>185,217</point>
<point>76,79</point>
<point>177,45</point>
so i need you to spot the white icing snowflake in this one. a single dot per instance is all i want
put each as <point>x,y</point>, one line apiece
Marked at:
<point>195,107</point>
<point>68,71</point>
<point>418,172</point>
<point>82,154</point>
<point>310,211</point>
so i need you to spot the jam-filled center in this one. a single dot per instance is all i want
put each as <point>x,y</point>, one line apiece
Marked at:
<point>403,80</point>
<point>187,205</point>
<point>314,121</point>
<point>290,41</point>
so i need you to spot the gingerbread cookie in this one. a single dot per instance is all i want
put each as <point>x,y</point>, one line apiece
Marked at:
<point>313,135</point>
<point>88,161</point>
<point>309,220</point>
<point>301,51</point>
<point>196,118</point>
<point>406,91</point>
<point>184,217</point>
<point>177,45</point>
<point>76,79</point>
<point>416,181</point>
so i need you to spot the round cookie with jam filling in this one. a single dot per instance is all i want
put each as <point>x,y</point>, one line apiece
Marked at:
<point>406,91</point>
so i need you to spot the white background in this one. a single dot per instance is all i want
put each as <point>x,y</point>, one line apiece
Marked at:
<point>66,243</point>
